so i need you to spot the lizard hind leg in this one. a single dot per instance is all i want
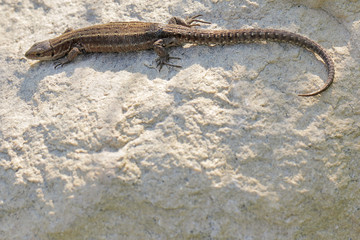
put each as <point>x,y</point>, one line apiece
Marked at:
<point>163,55</point>
<point>187,22</point>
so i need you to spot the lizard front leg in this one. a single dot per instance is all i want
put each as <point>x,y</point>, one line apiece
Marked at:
<point>187,22</point>
<point>72,54</point>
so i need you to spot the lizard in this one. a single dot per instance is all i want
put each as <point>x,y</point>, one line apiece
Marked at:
<point>136,36</point>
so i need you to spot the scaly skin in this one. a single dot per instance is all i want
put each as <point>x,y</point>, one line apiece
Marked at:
<point>137,36</point>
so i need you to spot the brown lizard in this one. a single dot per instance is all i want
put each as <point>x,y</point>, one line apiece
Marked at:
<point>136,36</point>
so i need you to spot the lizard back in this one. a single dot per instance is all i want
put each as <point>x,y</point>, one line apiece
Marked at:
<point>110,37</point>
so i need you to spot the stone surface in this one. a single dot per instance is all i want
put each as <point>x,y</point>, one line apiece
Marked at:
<point>108,148</point>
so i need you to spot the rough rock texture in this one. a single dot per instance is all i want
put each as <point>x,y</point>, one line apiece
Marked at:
<point>108,148</point>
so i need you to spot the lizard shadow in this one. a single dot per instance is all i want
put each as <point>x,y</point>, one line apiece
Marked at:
<point>116,62</point>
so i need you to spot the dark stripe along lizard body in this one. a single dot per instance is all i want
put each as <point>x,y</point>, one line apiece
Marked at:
<point>136,36</point>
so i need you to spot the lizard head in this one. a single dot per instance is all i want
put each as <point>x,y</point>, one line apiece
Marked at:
<point>41,51</point>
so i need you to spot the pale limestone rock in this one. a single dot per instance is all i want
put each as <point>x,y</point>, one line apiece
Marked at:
<point>107,148</point>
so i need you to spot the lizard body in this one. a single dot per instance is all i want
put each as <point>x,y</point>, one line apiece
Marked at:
<point>136,36</point>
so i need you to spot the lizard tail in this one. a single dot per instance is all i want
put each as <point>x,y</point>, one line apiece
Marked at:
<point>255,35</point>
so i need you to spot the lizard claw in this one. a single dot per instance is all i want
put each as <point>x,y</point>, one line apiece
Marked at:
<point>58,64</point>
<point>161,61</point>
<point>190,20</point>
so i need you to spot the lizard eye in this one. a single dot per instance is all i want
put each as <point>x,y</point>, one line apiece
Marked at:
<point>52,54</point>
<point>38,54</point>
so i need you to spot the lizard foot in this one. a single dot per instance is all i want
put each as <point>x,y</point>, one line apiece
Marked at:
<point>187,22</point>
<point>161,61</point>
<point>59,64</point>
